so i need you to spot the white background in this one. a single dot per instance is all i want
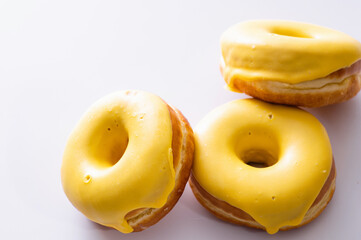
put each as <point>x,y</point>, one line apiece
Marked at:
<point>58,57</point>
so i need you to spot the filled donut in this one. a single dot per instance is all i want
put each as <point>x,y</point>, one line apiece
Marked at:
<point>262,165</point>
<point>291,63</point>
<point>127,161</point>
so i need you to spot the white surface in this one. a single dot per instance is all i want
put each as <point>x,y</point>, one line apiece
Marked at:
<point>58,57</point>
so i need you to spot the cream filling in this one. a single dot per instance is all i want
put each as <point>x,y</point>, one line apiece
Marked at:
<point>312,84</point>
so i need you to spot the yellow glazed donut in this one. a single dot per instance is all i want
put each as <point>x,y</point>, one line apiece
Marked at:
<point>262,165</point>
<point>127,161</point>
<point>291,62</point>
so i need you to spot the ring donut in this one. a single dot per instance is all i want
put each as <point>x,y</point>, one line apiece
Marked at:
<point>127,161</point>
<point>291,62</point>
<point>262,165</point>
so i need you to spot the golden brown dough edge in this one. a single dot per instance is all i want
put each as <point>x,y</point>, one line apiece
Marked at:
<point>183,152</point>
<point>229,213</point>
<point>346,86</point>
<point>326,95</point>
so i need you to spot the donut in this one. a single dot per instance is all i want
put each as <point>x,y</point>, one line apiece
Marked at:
<point>127,161</point>
<point>291,62</point>
<point>262,165</point>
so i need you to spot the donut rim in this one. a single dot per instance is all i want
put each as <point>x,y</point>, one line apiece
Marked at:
<point>285,51</point>
<point>183,154</point>
<point>229,213</point>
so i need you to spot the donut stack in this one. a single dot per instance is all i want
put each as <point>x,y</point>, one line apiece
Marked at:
<point>265,165</point>
<point>258,162</point>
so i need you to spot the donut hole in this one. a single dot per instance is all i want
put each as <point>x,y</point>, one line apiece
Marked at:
<point>289,32</point>
<point>108,142</point>
<point>257,148</point>
<point>258,158</point>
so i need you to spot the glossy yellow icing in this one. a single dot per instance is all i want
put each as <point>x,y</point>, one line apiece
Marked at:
<point>284,51</point>
<point>291,142</point>
<point>117,158</point>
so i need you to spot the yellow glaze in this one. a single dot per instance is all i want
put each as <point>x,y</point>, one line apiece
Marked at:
<point>119,158</point>
<point>284,51</point>
<point>291,142</point>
